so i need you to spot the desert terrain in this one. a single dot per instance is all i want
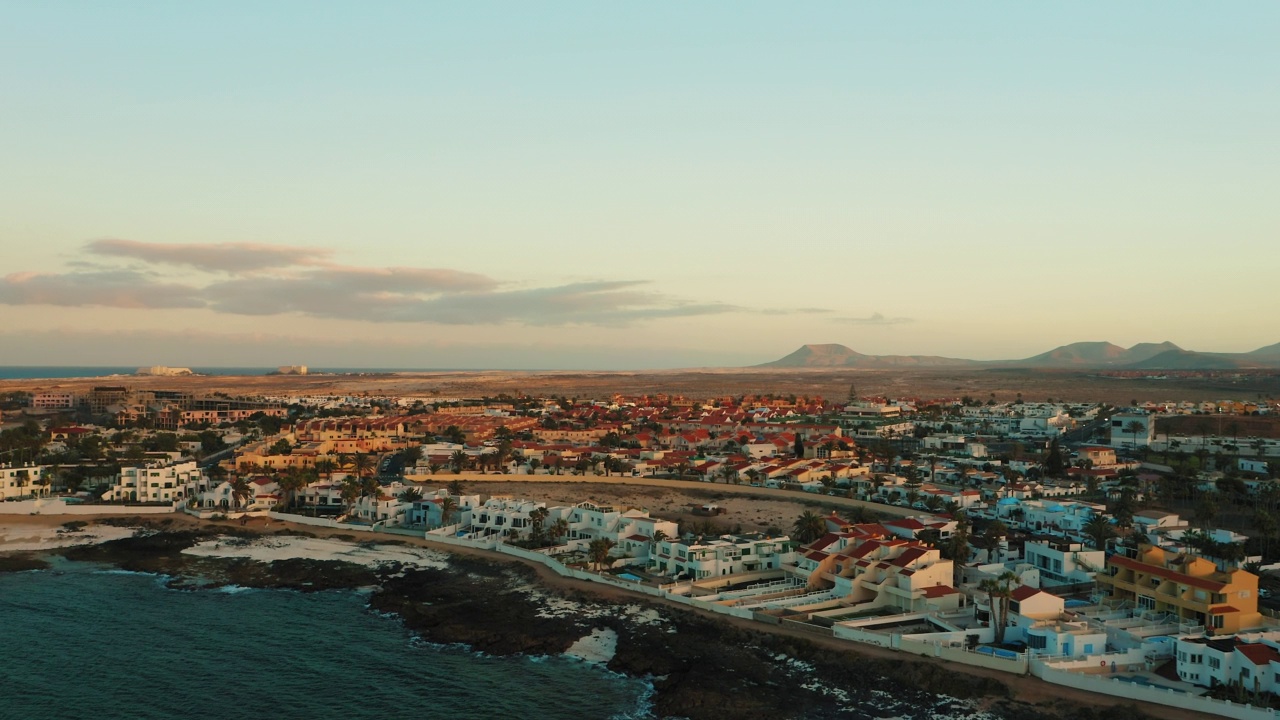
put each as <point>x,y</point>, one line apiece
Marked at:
<point>1001,383</point>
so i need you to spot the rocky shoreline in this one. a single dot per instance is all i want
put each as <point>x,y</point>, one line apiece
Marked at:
<point>701,668</point>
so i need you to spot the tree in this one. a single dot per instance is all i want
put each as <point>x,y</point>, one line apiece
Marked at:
<point>240,490</point>
<point>1054,466</point>
<point>1099,530</point>
<point>410,495</point>
<point>458,460</point>
<point>290,483</point>
<point>280,447</point>
<point>326,466</point>
<point>809,527</point>
<point>1264,524</point>
<point>537,519</point>
<point>361,463</point>
<point>598,550</point>
<point>558,529</point>
<point>1000,591</point>
<point>447,507</point>
<point>957,548</point>
<point>799,446</point>
<point>1134,427</point>
<point>1205,512</point>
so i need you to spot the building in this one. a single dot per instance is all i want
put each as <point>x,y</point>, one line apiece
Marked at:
<point>724,555</point>
<point>156,482</point>
<point>881,572</point>
<point>53,401</point>
<point>162,371</point>
<point>1188,587</point>
<point>1132,430</point>
<point>1251,661</point>
<point>291,370</point>
<point>1064,563</point>
<point>23,481</point>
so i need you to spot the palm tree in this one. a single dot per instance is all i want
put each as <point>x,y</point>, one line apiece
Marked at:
<point>350,493</point>
<point>1134,427</point>
<point>290,483</point>
<point>1000,591</point>
<point>558,529</point>
<point>361,463</point>
<point>240,490</point>
<point>599,550</point>
<point>410,495</point>
<point>1099,530</point>
<point>537,517</point>
<point>809,527</point>
<point>458,460</point>
<point>325,466</point>
<point>447,507</point>
<point>1264,524</point>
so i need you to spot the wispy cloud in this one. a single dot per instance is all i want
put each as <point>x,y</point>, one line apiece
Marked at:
<point>875,319</point>
<point>212,257</point>
<point>104,288</point>
<point>269,280</point>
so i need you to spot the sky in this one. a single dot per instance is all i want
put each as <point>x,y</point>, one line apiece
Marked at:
<point>587,185</point>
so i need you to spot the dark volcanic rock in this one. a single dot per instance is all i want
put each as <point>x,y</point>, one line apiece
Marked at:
<point>20,562</point>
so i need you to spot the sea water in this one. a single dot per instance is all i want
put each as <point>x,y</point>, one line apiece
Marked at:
<point>85,642</point>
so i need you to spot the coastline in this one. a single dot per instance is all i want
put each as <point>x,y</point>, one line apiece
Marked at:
<point>702,665</point>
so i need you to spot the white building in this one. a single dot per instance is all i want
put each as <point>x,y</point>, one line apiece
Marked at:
<point>156,482</point>
<point>1123,437</point>
<point>22,481</point>
<point>1064,563</point>
<point>1251,660</point>
<point>725,555</point>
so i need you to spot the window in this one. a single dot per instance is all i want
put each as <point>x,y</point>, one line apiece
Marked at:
<point>1146,603</point>
<point>1215,663</point>
<point>1245,673</point>
<point>1037,642</point>
<point>1217,621</point>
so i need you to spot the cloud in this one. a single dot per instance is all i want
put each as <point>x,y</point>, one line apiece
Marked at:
<point>268,280</point>
<point>351,296</point>
<point>875,319</point>
<point>212,257</point>
<point>105,288</point>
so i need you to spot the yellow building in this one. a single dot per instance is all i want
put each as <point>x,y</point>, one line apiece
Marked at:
<point>1187,586</point>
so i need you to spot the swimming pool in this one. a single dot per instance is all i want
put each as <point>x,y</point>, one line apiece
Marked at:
<point>629,576</point>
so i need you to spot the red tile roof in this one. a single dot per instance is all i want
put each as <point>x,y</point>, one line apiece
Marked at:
<point>1258,654</point>
<point>939,591</point>
<point>1220,609</point>
<point>1024,591</point>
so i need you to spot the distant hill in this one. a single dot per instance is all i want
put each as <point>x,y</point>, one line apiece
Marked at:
<point>1186,360</point>
<point>833,356</point>
<point>1081,355</point>
<point>1097,354</point>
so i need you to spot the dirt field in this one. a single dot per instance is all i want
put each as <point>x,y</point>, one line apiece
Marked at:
<point>1245,427</point>
<point>1003,384</point>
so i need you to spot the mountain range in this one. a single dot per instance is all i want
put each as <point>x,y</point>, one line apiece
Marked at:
<point>1081,355</point>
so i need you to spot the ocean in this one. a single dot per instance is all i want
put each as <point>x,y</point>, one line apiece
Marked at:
<point>84,641</point>
<point>54,372</point>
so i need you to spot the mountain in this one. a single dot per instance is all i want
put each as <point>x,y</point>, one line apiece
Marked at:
<point>1097,354</point>
<point>1081,355</point>
<point>1187,360</point>
<point>1270,351</point>
<point>837,356</point>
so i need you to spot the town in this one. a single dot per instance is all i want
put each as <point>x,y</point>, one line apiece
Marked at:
<point>1125,551</point>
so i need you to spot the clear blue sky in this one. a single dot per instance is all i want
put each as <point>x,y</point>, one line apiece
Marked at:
<point>608,185</point>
